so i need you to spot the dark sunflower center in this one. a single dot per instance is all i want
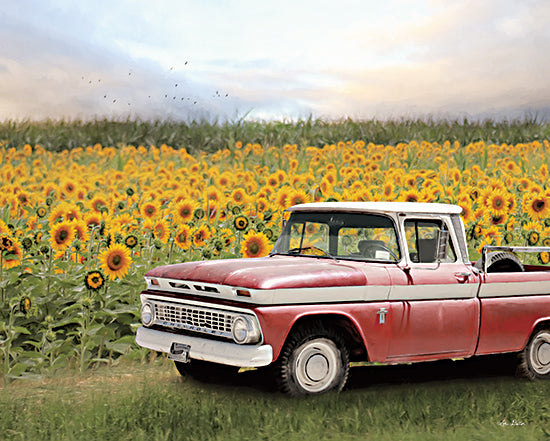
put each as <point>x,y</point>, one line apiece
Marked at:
<point>538,205</point>
<point>116,260</point>
<point>63,234</point>
<point>254,248</point>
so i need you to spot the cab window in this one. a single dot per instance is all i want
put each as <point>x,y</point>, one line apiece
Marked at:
<point>421,238</point>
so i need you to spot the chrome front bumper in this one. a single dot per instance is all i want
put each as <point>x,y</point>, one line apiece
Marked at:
<point>215,351</point>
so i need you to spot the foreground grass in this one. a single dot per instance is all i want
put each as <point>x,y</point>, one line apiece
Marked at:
<point>449,400</point>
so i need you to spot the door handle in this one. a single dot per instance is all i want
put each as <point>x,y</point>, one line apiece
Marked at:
<point>462,277</point>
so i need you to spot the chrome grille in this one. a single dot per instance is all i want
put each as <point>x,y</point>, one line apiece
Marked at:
<point>193,318</point>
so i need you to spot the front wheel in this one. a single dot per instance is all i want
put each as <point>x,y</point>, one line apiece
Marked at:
<point>536,356</point>
<point>313,361</point>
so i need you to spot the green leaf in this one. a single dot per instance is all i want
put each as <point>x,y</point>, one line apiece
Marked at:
<point>17,369</point>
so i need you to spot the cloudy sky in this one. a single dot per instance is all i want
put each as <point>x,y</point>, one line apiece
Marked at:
<point>284,59</point>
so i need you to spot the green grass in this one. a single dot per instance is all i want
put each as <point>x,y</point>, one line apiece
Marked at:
<point>152,402</point>
<point>197,136</point>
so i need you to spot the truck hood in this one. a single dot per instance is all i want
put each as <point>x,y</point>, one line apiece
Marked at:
<point>275,272</point>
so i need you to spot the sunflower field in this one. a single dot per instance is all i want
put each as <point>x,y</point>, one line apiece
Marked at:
<point>80,227</point>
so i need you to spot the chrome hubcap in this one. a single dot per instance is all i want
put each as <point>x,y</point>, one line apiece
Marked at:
<point>317,365</point>
<point>543,353</point>
<point>540,354</point>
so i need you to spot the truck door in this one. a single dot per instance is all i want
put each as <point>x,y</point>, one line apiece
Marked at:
<point>434,312</point>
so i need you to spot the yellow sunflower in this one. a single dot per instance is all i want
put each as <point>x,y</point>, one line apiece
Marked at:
<point>115,261</point>
<point>537,206</point>
<point>81,230</point>
<point>62,235</point>
<point>239,196</point>
<point>183,237</point>
<point>241,223</point>
<point>297,197</point>
<point>544,257</point>
<point>92,219</point>
<point>149,210</point>
<point>255,245</point>
<point>69,188</point>
<point>98,203</point>
<point>183,211</point>
<point>161,230</point>
<point>94,280</point>
<point>497,202</point>
<point>201,235</point>
<point>409,196</point>
<point>227,236</point>
<point>11,251</point>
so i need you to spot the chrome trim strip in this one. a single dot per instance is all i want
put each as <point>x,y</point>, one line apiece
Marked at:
<point>514,289</point>
<point>208,350</point>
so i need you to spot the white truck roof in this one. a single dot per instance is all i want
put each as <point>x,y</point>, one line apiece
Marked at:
<point>381,207</point>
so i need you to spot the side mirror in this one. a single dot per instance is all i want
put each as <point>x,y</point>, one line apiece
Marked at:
<point>442,243</point>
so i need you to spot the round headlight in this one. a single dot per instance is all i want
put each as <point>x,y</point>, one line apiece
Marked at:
<point>147,314</point>
<point>244,331</point>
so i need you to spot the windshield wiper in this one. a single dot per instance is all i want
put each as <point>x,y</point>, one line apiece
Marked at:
<point>298,251</point>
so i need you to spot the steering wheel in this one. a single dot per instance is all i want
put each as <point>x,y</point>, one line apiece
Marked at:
<point>370,252</point>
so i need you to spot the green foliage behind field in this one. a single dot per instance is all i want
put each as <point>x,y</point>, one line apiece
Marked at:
<point>196,136</point>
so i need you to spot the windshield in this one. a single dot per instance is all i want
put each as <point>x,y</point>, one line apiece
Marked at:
<point>340,235</point>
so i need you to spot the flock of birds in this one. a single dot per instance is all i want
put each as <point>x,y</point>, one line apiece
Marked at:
<point>175,93</point>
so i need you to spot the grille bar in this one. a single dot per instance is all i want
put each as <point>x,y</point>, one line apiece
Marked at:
<point>194,318</point>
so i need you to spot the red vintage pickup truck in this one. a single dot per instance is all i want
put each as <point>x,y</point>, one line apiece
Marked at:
<point>385,282</point>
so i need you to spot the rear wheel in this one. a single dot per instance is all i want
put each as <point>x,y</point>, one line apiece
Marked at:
<point>207,372</point>
<point>313,361</point>
<point>536,355</point>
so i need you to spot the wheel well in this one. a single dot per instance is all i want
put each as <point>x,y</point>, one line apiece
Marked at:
<point>342,325</point>
<point>545,324</point>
